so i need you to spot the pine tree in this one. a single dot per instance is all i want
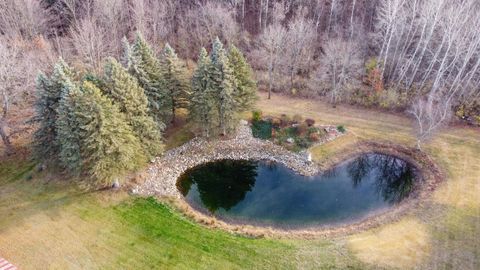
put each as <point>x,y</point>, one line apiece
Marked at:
<point>202,102</point>
<point>126,59</point>
<point>124,90</point>
<point>68,137</point>
<point>223,85</point>
<point>145,67</point>
<point>174,79</point>
<point>109,147</point>
<point>49,92</point>
<point>245,88</point>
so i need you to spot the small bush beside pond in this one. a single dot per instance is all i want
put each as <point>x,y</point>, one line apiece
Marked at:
<point>262,129</point>
<point>256,116</point>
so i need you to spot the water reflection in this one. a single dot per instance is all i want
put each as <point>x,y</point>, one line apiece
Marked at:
<point>393,176</point>
<point>221,184</point>
<point>358,169</point>
<point>272,193</point>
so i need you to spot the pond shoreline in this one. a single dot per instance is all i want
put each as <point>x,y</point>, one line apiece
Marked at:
<point>162,177</point>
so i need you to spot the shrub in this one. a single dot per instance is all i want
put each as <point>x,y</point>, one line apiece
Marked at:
<point>313,130</point>
<point>477,119</point>
<point>310,122</point>
<point>341,129</point>
<point>276,122</point>
<point>314,137</point>
<point>301,129</point>
<point>285,120</point>
<point>297,118</point>
<point>256,116</point>
<point>303,142</point>
<point>262,129</point>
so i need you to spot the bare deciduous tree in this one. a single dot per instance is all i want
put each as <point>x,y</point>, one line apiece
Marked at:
<point>339,69</point>
<point>19,63</point>
<point>299,50</point>
<point>89,43</point>
<point>432,45</point>
<point>273,42</point>
<point>204,23</point>
<point>22,18</point>
<point>153,19</point>
<point>430,115</point>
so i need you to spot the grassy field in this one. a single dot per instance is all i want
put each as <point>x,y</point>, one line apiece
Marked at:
<point>48,223</point>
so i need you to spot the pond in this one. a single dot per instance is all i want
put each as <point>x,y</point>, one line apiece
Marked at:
<point>270,194</point>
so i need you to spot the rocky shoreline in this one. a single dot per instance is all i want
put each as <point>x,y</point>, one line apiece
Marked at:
<point>162,175</point>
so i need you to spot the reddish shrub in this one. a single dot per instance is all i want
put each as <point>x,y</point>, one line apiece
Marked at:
<point>310,122</point>
<point>276,122</point>
<point>302,129</point>
<point>314,137</point>
<point>285,120</point>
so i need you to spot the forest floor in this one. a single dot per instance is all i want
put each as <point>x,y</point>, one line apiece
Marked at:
<point>48,223</point>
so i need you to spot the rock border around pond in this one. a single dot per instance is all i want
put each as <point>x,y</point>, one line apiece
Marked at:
<point>162,175</point>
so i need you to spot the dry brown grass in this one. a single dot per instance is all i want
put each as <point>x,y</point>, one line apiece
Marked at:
<point>403,244</point>
<point>417,240</point>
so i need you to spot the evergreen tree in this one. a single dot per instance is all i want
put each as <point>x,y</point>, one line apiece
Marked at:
<point>109,147</point>
<point>202,101</point>
<point>146,68</point>
<point>174,79</point>
<point>124,90</point>
<point>49,92</point>
<point>126,59</point>
<point>97,81</point>
<point>245,88</point>
<point>223,85</point>
<point>68,137</point>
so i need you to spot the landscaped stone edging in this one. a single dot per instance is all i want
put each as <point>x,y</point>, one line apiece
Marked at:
<point>162,175</point>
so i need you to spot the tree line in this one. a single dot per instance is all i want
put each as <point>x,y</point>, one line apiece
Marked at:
<point>105,125</point>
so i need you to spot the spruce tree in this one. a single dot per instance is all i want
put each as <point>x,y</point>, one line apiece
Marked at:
<point>49,92</point>
<point>245,88</point>
<point>109,147</point>
<point>124,90</point>
<point>223,85</point>
<point>174,79</point>
<point>126,59</point>
<point>202,101</point>
<point>68,137</point>
<point>145,67</point>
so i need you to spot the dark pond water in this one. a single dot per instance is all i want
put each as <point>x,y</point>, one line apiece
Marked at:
<point>265,193</point>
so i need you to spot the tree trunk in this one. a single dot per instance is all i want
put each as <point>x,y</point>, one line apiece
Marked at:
<point>270,80</point>
<point>173,115</point>
<point>292,74</point>
<point>173,110</point>
<point>6,140</point>
<point>419,144</point>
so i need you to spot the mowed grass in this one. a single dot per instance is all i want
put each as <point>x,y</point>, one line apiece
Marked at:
<point>46,222</point>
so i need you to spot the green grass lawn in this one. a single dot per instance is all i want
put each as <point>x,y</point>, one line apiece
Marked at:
<point>48,223</point>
